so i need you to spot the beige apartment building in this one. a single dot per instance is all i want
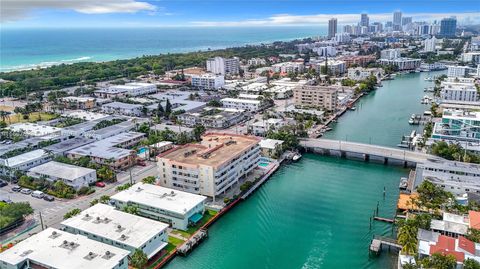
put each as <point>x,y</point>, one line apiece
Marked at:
<point>324,97</point>
<point>210,167</point>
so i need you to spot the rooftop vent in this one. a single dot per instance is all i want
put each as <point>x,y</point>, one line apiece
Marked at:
<point>90,256</point>
<point>119,228</point>
<point>108,255</point>
<point>69,245</point>
<point>54,235</point>
<point>123,237</point>
<point>26,252</point>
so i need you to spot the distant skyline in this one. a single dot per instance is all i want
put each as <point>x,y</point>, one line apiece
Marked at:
<point>157,13</point>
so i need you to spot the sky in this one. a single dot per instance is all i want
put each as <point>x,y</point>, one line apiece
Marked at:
<point>235,13</point>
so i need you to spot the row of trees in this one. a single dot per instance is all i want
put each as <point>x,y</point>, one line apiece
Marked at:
<point>454,152</point>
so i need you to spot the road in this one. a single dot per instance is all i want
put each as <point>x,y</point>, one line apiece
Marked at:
<point>53,212</point>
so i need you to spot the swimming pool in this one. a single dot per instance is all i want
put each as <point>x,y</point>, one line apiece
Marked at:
<point>263,164</point>
<point>142,150</point>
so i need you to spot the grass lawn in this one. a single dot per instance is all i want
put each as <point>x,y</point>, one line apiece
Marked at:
<point>34,117</point>
<point>182,233</point>
<point>174,241</point>
<point>172,244</point>
<point>206,217</point>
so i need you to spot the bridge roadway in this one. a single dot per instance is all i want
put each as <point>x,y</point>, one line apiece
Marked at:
<point>367,150</point>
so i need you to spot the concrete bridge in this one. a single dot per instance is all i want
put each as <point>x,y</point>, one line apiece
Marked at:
<point>365,151</point>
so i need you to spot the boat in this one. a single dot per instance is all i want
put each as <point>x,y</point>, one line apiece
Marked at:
<point>410,121</point>
<point>328,129</point>
<point>403,183</point>
<point>353,108</point>
<point>296,157</point>
<point>428,79</point>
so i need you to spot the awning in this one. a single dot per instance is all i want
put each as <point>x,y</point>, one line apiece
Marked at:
<point>195,218</point>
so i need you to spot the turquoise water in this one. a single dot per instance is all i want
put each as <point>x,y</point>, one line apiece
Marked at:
<point>28,48</point>
<point>263,164</point>
<point>142,150</point>
<point>315,213</point>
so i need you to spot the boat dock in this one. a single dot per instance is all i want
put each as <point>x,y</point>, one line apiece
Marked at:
<point>379,241</point>
<point>194,240</point>
<point>384,219</point>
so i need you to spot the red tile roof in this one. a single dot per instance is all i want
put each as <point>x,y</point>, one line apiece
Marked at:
<point>446,245</point>
<point>466,245</point>
<point>474,217</point>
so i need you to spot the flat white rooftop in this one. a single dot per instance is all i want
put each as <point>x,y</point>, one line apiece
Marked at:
<point>34,129</point>
<point>61,170</point>
<point>47,248</point>
<point>242,101</point>
<point>159,197</point>
<point>270,143</point>
<point>25,157</point>
<point>120,226</point>
<point>86,115</point>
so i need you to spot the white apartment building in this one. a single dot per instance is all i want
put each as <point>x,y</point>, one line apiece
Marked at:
<point>457,71</point>
<point>328,51</point>
<point>223,66</point>
<point>242,104</point>
<point>402,63</point>
<point>458,90</point>
<point>72,175</point>
<point>174,207</point>
<point>135,88</point>
<point>342,38</point>
<point>430,44</point>
<point>211,167</point>
<point>390,54</point>
<point>108,225</point>
<point>34,129</point>
<point>288,67</point>
<point>335,67</point>
<point>123,109</point>
<point>24,161</point>
<point>360,73</point>
<point>208,81</point>
<point>471,57</point>
<point>256,61</point>
<point>261,127</point>
<point>56,249</point>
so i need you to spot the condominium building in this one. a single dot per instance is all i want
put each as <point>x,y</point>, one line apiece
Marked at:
<point>129,89</point>
<point>454,90</point>
<point>212,118</point>
<point>364,20</point>
<point>332,27</point>
<point>448,27</point>
<point>208,81</point>
<point>24,161</point>
<point>457,71</point>
<point>324,97</point>
<point>76,102</point>
<point>328,51</point>
<point>177,208</point>
<point>360,73</point>
<point>261,127</point>
<point>334,67</point>
<point>288,67</point>
<point>72,175</point>
<point>56,249</point>
<point>122,109</point>
<point>402,63</point>
<point>211,167</point>
<point>458,126</point>
<point>108,225</point>
<point>390,54</point>
<point>430,44</point>
<point>256,61</point>
<point>397,18</point>
<point>223,66</point>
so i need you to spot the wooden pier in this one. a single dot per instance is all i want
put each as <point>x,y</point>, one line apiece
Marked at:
<point>379,241</point>
<point>384,219</point>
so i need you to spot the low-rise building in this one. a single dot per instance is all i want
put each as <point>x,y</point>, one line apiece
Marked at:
<point>122,109</point>
<point>454,90</point>
<point>177,208</point>
<point>110,151</point>
<point>129,89</point>
<point>77,102</point>
<point>325,97</point>
<point>360,73</point>
<point>108,225</point>
<point>208,81</point>
<point>35,129</point>
<point>261,127</point>
<point>25,161</point>
<point>72,175</point>
<point>212,118</point>
<point>243,104</point>
<point>55,249</point>
<point>211,167</point>
<point>335,67</point>
<point>271,147</point>
<point>450,225</point>
<point>288,67</point>
<point>457,71</point>
<point>457,126</point>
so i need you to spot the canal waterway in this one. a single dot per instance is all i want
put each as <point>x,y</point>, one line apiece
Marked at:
<point>315,213</point>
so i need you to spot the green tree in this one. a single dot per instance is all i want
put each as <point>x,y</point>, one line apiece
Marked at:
<point>138,259</point>
<point>439,261</point>
<point>168,108</point>
<point>198,131</point>
<point>149,180</point>
<point>471,264</point>
<point>72,213</point>
<point>104,199</point>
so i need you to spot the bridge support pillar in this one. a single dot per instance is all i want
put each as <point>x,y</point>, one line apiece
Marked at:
<point>366,157</point>
<point>405,164</point>
<point>343,154</point>
<point>385,161</point>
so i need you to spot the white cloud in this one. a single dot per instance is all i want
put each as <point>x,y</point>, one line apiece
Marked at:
<point>322,19</point>
<point>12,10</point>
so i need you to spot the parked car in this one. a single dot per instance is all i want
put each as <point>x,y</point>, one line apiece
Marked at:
<point>26,191</point>
<point>48,198</point>
<point>38,194</point>
<point>100,184</point>
<point>16,188</point>
<point>3,183</point>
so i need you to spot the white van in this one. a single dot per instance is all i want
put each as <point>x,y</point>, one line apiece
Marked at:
<point>38,194</point>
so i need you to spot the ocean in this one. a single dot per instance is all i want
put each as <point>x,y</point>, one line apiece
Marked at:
<point>31,48</point>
